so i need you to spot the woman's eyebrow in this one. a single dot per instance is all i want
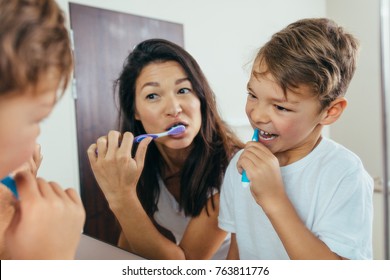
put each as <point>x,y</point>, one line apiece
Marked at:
<point>179,81</point>
<point>150,84</point>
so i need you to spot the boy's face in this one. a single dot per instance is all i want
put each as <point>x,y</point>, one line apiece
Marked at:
<point>289,125</point>
<point>20,116</point>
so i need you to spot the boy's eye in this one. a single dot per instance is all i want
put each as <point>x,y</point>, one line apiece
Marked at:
<point>280,108</point>
<point>250,95</point>
<point>184,90</point>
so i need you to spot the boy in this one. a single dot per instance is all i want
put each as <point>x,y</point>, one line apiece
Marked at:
<point>309,197</point>
<point>35,60</point>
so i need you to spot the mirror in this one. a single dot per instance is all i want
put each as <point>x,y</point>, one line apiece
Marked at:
<point>223,47</point>
<point>95,31</point>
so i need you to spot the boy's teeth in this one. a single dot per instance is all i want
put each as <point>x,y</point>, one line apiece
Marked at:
<point>266,135</point>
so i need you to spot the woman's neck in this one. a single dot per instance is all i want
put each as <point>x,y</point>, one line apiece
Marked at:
<point>171,166</point>
<point>172,160</point>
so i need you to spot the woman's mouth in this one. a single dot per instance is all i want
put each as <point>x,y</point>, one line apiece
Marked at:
<point>176,124</point>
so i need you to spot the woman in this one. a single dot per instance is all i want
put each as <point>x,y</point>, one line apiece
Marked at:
<point>166,199</point>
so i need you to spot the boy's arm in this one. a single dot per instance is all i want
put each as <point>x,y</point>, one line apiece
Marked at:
<point>267,188</point>
<point>233,249</point>
<point>47,223</point>
<point>297,239</point>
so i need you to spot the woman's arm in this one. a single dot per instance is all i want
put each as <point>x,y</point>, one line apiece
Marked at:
<point>203,237</point>
<point>117,175</point>
<point>140,236</point>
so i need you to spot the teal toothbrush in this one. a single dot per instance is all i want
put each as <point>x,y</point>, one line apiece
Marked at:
<point>244,179</point>
<point>9,182</point>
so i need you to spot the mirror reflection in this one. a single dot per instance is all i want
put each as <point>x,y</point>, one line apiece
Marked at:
<point>223,48</point>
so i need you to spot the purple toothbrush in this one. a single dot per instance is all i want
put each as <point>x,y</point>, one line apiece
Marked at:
<point>173,131</point>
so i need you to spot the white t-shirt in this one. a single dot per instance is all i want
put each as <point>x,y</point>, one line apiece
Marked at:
<point>331,192</point>
<point>172,218</point>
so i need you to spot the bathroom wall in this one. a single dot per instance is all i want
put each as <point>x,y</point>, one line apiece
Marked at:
<point>360,129</point>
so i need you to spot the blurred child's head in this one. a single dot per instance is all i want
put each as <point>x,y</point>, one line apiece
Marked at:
<point>35,61</point>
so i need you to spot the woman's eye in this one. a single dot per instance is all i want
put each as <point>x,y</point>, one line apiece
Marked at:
<point>184,90</point>
<point>151,96</point>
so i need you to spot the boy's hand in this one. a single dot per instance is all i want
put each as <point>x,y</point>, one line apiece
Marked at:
<point>263,171</point>
<point>7,210</point>
<point>48,221</point>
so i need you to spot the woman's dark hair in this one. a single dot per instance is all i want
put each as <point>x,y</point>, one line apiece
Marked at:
<point>213,146</point>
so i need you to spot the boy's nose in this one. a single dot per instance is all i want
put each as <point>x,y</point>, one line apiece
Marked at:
<point>260,115</point>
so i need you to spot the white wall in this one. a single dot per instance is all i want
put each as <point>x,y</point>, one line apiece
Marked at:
<point>360,126</point>
<point>359,129</point>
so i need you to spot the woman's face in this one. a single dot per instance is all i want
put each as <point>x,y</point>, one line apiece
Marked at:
<point>165,98</point>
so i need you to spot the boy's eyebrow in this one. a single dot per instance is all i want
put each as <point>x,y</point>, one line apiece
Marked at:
<point>278,100</point>
<point>248,87</point>
<point>284,100</point>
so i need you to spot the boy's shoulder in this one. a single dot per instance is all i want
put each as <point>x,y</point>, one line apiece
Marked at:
<point>234,159</point>
<point>331,151</point>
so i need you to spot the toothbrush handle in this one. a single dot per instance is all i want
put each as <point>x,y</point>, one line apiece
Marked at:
<point>138,139</point>
<point>9,182</point>
<point>141,137</point>
<point>244,178</point>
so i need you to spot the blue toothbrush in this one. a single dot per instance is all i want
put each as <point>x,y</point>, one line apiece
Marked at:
<point>9,182</point>
<point>244,179</point>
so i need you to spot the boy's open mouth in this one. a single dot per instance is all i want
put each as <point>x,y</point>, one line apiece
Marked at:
<point>266,136</point>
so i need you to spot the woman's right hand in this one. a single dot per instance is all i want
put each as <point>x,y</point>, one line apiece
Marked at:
<point>116,172</point>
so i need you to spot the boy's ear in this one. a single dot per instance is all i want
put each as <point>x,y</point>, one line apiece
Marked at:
<point>334,111</point>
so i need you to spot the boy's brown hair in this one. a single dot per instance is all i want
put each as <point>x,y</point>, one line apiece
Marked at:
<point>313,52</point>
<point>33,42</point>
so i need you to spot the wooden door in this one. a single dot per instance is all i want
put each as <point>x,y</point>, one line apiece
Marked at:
<point>102,40</point>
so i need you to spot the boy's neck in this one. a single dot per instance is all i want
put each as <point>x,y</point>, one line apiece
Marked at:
<point>288,157</point>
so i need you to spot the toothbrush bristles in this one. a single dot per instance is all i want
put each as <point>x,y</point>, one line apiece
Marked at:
<point>177,129</point>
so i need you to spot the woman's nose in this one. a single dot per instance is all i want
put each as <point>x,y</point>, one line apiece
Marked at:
<point>173,107</point>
